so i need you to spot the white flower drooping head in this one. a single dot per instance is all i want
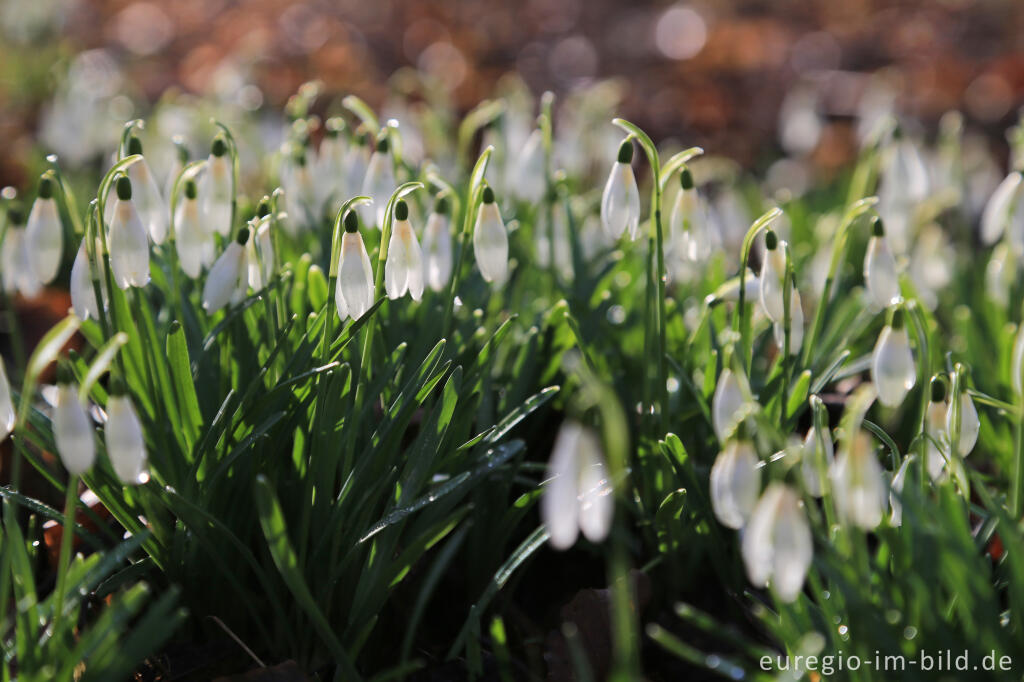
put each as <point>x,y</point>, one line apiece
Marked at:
<point>437,247</point>
<point>228,279</point>
<point>72,427</point>
<point>970,425</point>
<point>354,288</point>
<point>83,293</point>
<point>123,434</point>
<point>403,270</point>
<point>578,494</point>
<point>148,199</point>
<point>128,240</point>
<point>44,237</point>
<point>735,483</point>
<point>193,241</point>
<point>777,546</point>
<point>215,191</point>
<point>892,363</point>
<point>620,203</point>
<point>858,485</point>
<point>490,240</point>
<point>880,276</point>
<point>379,183</point>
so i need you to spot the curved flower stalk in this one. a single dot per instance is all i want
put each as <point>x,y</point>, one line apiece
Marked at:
<point>44,236</point>
<point>620,202</point>
<point>259,250</point>
<point>858,485</point>
<point>148,200</point>
<point>123,435</point>
<point>527,181</point>
<point>729,404</point>
<point>437,246</point>
<point>128,240</point>
<point>937,446</point>
<point>490,240</point>
<point>228,279</point>
<point>880,276</point>
<point>354,288</point>
<point>578,495</point>
<point>18,273</point>
<point>378,184</point>
<point>892,363</point>
<point>7,414</point>
<point>83,294</point>
<point>735,483</point>
<point>1002,209</point>
<point>816,458</point>
<point>215,190</point>
<point>969,425</point>
<point>403,270</point>
<point>192,240</point>
<point>773,274</point>
<point>777,546</point>
<point>72,427</point>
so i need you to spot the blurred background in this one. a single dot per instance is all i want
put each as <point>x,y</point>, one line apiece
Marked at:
<point>747,79</point>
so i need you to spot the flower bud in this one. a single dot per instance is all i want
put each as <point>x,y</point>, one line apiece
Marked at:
<point>620,202</point>
<point>578,494</point>
<point>892,363</point>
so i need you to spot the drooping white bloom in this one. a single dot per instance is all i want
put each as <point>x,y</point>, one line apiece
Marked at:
<point>773,272</point>
<point>880,276</point>
<point>527,181</point>
<point>437,247</point>
<point>83,294</point>
<point>796,324</point>
<point>128,241</point>
<point>194,243</point>
<point>777,546</point>
<point>259,253</point>
<point>228,279</point>
<point>727,405</point>
<point>903,184</point>
<point>44,237</point>
<point>896,490</point>
<point>858,485</point>
<point>1001,273</point>
<point>178,165</point>
<point>969,423</point>
<point>815,460</point>
<point>892,363</point>
<point>490,240</point>
<point>18,273</point>
<point>300,192</point>
<point>7,415</point>
<point>354,288</point>
<point>1001,208</point>
<point>378,184</point>
<point>931,264</point>
<point>215,190</point>
<point>125,445</point>
<point>331,179</point>
<point>403,270</point>
<point>688,235</point>
<point>735,483</point>
<point>578,494</point>
<point>620,203</point>
<point>148,200</point>
<point>73,431</point>
<point>356,162</point>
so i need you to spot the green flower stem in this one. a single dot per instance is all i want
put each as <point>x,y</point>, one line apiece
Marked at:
<point>741,318</point>
<point>67,535</point>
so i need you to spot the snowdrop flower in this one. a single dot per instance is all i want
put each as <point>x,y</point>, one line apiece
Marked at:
<point>83,294</point>
<point>895,490</point>
<point>773,272</point>
<point>216,189</point>
<point>490,241</point>
<point>331,164</point>
<point>816,460</point>
<point>148,201</point>
<point>858,485</point>
<point>403,271</point>
<point>228,279</point>
<point>356,161</point>
<point>727,406</point>
<point>1000,274</point>
<point>7,415</point>
<point>969,423</point>
<point>259,251</point>
<point>180,161</point>
<point>892,363</point>
<point>72,427</point>
<point>903,184</point>
<point>18,273</point>
<point>437,247</point>
<point>937,443</point>
<point>620,203</point>
<point>1002,209</point>
<point>777,547</point>
<point>578,494</point>
<point>378,184</point>
<point>44,236</point>
<point>880,277</point>
<point>123,435</point>
<point>735,483</point>
<point>191,239</point>
<point>527,180</point>
<point>931,264</point>
<point>300,192</point>
<point>354,288</point>
<point>688,226</point>
<point>128,241</point>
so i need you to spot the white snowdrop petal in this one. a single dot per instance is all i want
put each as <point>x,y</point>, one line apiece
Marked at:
<point>437,252</point>
<point>793,547</point>
<point>193,242</point>
<point>73,431</point>
<point>354,289</point>
<point>815,461</point>
<point>125,445</point>
<point>129,247</point>
<point>490,244</point>
<point>378,184</point>
<point>620,202</point>
<point>970,425</point>
<point>215,195</point>
<point>999,207</point>
<point>559,503</point>
<point>735,484</point>
<point>858,485</point>
<point>892,366</point>
<point>83,294</point>
<point>880,276</point>
<point>595,498</point>
<point>403,270</point>
<point>149,201</point>
<point>756,546</point>
<point>895,490</point>
<point>7,414</point>
<point>44,239</point>
<point>727,403</point>
<point>222,282</point>
<point>772,273</point>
